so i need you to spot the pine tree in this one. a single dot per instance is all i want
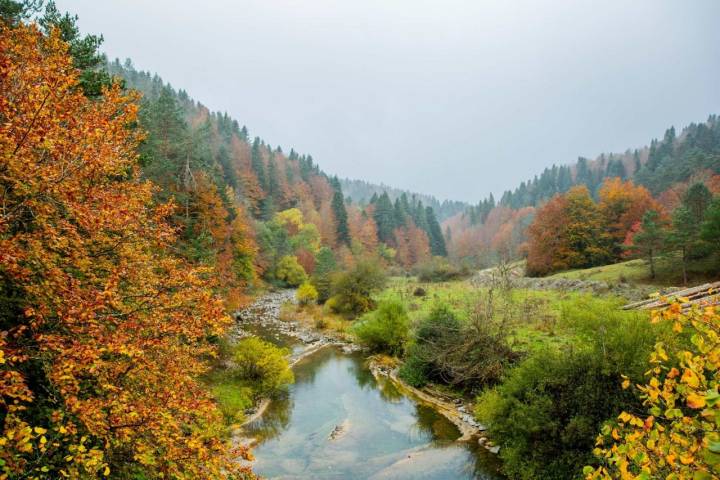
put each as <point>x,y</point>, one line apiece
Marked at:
<point>437,241</point>
<point>341,216</point>
<point>258,165</point>
<point>650,239</point>
<point>384,218</point>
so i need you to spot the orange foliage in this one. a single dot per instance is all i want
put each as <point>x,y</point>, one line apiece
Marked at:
<point>412,245</point>
<point>545,237</point>
<point>622,204</point>
<point>363,228</point>
<point>106,329</point>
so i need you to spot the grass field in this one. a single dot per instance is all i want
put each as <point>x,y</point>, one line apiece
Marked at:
<point>668,272</point>
<point>536,318</point>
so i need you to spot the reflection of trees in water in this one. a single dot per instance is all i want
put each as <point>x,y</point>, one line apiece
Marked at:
<point>275,420</point>
<point>486,466</point>
<point>389,392</point>
<point>438,428</point>
<point>307,369</point>
<point>362,374</point>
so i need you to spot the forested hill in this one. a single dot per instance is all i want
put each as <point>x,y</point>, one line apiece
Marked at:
<point>190,150</point>
<point>362,192</point>
<point>665,170</point>
<point>672,159</point>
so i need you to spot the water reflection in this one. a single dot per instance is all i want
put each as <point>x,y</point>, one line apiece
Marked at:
<point>382,434</point>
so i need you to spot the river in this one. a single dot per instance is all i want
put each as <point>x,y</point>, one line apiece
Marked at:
<point>338,421</point>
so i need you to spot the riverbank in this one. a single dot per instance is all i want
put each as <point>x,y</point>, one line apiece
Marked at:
<point>454,410</point>
<point>266,312</point>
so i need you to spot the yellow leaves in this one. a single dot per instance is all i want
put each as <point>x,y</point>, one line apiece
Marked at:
<point>625,383</point>
<point>690,378</point>
<point>667,441</point>
<point>695,401</point>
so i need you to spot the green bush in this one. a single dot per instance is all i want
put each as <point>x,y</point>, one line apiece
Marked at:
<point>306,294</point>
<point>548,410</point>
<point>439,269</point>
<point>352,290</point>
<point>415,371</point>
<point>464,354</point>
<point>547,413</point>
<point>263,365</point>
<point>384,330</point>
<point>290,272</point>
<point>325,267</point>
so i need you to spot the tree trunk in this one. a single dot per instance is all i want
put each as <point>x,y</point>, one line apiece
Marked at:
<point>652,265</point>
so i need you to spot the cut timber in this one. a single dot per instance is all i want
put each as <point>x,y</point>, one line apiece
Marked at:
<point>706,294</point>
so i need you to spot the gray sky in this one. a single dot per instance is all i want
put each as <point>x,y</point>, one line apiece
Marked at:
<point>453,98</point>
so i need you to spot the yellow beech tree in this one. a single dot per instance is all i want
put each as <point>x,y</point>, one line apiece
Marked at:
<point>102,330</point>
<point>677,438</point>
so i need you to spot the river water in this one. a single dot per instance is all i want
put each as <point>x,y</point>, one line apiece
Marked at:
<point>380,433</point>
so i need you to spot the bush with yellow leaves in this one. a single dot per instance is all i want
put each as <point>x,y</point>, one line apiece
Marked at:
<point>677,437</point>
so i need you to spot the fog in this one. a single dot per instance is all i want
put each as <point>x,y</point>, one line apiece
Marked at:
<point>452,98</point>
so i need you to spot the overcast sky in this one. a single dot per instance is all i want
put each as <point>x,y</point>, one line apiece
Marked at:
<point>453,98</point>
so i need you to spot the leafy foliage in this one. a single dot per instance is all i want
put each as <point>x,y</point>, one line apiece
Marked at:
<point>307,294</point>
<point>676,436</point>
<point>290,272</point>
<point>352,290</point>
<point>385,330</point>
<point>547,411</point>
<point>104,330</point>
<point>262,363</point>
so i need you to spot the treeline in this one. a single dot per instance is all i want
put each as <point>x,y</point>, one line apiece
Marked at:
<point>665,162</point>
<point>667,168</point>
<point>574,231</point>
<point>361,192</point>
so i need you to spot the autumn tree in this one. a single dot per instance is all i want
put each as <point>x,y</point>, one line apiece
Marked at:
<point>103,328</point>
<point>566,233</point>
<point>622,204</point>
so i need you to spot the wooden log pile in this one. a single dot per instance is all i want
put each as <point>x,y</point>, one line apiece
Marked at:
<point>705,295</point>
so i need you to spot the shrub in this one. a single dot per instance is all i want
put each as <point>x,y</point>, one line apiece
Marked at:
<point>385,330</point>
<point>415,370</point>
<point>306,294</point>
<point>675,435</point>
<point>548,410</point>
<point>466,355</point>
<point>290,272</point>
<point>352,290</point>
<point>547,413</point>
<point>439,269</point>
<point>263,364</point>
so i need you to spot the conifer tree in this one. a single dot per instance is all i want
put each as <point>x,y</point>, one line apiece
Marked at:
<point>384,218</point>
<point>341,216</point>
<point>258,165</point>
<point>437,241</point>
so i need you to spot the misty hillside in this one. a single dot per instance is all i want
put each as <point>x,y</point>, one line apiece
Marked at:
<point>181,298</point>
<point>362,192</point>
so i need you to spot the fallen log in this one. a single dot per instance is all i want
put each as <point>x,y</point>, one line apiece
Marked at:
<point>706,293</point>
